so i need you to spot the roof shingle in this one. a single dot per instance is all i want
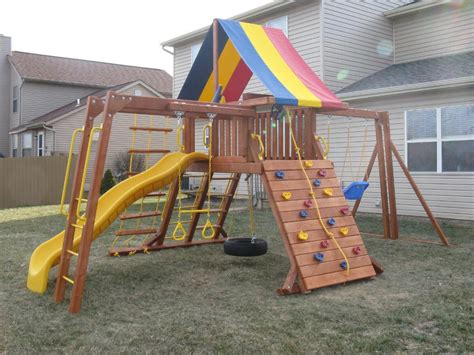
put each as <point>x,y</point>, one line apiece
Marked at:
<point>420,71</point>
<point>85,72</point>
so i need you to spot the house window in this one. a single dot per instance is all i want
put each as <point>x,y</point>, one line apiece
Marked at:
<point>14,145</point>
<point>280,23</point>
<point>27,144</point>
<point>194,51</point>
<point>15,99</point>
<point>40,144</point>
<point>441,140</point>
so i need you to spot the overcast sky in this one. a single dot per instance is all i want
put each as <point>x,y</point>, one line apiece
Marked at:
<point>116,31</point>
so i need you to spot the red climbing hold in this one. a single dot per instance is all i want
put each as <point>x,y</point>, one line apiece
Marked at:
<point>322,172</point>
<point>324,244</point>
<point>345,211</point>
<point>308,203</point>
<point>356,250</point>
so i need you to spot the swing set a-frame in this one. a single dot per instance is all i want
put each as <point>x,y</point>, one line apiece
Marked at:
<point>242,136</point>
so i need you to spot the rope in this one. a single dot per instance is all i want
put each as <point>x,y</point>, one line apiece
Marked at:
<point>312,194</point>
<point>348,152</point>
<point>252,226</point>
<point>208,225</point>
<point>364,147</point>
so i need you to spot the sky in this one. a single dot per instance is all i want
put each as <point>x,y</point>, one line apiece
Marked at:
<point>124,32</point>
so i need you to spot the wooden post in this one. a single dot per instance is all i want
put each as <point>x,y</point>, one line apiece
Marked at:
<point>189,135</point>
<point>94,108</point>
<point>383,179</point>
<point>215,52</point>
<point>385,120</point>
<point>366,178</point>
<point>417,191</point>
<point>92,200</point>
<point>309,131</point>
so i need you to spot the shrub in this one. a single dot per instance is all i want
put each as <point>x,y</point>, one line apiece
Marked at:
<point>121,165</point>
<point>107,182</point>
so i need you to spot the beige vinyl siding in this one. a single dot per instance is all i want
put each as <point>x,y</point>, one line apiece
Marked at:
<point>182,66</point>
<point>437,31</point>
<point>5,47</point>
<point>15,80</point>
<point>121,136</point>
<point>450,195</point>
<point>41,98</point>
<point>353,34</point>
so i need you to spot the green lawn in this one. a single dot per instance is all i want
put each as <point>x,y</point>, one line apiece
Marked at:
<point>201,300</point>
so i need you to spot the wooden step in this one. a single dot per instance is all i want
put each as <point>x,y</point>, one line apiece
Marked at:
<point>140,215</point>
<point>152,129</point>
<point>145,151</point>
<point>135,231</point>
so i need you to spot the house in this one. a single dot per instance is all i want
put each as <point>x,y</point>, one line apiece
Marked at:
<point>413,59</point>
<point>43,99</point>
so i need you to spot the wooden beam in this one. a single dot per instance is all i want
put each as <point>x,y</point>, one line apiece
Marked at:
<point>385,121</point>
<point>211,108</point>
<point>142,248</point>
<point>352,112</point>
<point>247,168</point>
<point>382,179</point>
<point>418,193</point>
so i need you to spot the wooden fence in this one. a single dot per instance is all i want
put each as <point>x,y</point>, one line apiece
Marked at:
<point>32,181</point>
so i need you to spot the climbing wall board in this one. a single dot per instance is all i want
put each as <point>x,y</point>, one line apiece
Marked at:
<point>289,190</point>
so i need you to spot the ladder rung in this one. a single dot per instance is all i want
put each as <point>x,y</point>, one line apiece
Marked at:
<point>212,210</point>
<point>225,178</point>
<point>152,129</point>
<point>221,195</point>
<point>149,151</point>
<point>68,280</point>
<point>77,226</point>
<point>155,194</point>
<point>72,252</point>
<point>176,222</point>
<point>140,215</point>
<point>184,207</point>
<point>136,231</point>
<point>82,199</point>
<point>195,176</point>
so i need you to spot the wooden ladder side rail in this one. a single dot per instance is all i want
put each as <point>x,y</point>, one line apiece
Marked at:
<point>94,107</point>
<point>418,193</point>
<point>382,178</point>
<point>166,214</point>
<point>293,282</point>
<point>309,123</point>
<point>366,178</point>
<point>200,199</point>
<point>385,121</point>
<point>229,197</point>
<point>110,108</point>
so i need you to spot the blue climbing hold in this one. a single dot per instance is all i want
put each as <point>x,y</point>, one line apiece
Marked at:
<point>355,190</point>
<point>343,265</point>
<point>317,182</point>
<point>318,257</point>
<point>280,174</point>
<point>303,213</point>
<point>331,221</point>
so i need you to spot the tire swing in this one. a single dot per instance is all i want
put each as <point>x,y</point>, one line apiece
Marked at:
<point>247,246</point>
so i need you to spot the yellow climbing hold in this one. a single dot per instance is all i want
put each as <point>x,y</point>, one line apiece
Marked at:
<point>308,163</point>
<point>327,192</point>
<point>286,195</point>
<point>302,235</point>
<point>344,231</point>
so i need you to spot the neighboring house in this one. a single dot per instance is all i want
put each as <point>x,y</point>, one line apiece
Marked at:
<point>43,99</point>
<point>414,59</point>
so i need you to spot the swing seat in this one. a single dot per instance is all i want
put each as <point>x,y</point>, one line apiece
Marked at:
<point>355,190</point>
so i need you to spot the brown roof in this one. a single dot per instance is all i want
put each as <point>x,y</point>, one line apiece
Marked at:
<point>40,67</point>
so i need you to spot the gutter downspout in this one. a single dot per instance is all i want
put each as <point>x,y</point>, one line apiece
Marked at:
<point>54,135</point>
<point>167,50</point>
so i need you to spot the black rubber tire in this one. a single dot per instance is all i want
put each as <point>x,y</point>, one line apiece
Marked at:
<point>245,247</point>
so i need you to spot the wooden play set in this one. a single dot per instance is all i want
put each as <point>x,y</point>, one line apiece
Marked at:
<point>272,136</point>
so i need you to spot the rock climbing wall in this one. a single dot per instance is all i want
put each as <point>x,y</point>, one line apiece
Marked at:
<point>319,261</point>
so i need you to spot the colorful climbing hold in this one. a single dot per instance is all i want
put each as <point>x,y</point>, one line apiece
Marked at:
<point>317,182</point>
<point>327,192</point>
<point>324,244</point>
<point>322,172</point>
<point>280,174</point>
<point>308,203</point>
<point>303,214</point>
<point>356,250</point>
<point>286,195</point>
<point>302,235</point>
<point>343,265</point>
<point>344,231</point>
<point>308,163</point>
<point>318,257</point>
<point>331,221</point>
<point>345,211</point>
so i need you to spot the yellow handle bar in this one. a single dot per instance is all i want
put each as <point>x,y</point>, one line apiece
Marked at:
<point>179,233</point>
<point>179,133</point>
<point>261,152</point>
<point>208,227</point>
<point>325,144</point>
<point>68,169</point>
<point>208,128</point>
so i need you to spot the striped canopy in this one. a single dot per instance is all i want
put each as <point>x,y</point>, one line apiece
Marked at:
<point>245,49</point>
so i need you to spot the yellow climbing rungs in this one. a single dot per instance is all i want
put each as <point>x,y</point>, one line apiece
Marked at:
<point>72,252</point>
<point>77,226</point>
<point>68,280</point>
<point>196,211</point>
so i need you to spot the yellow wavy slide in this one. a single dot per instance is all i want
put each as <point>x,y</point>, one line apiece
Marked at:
<point>110,205</point>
